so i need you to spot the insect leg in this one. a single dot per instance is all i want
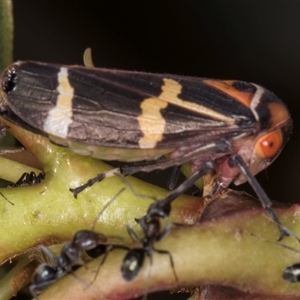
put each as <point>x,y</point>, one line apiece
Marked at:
<point>24,178</point>
<point>222,146</point>
<point>173,178</point>
<point>164,233</point>
<point>32,290</point>
<point>108,249</point>
<point>236,160</point>
<point>47,252</point>
<point>171,260</point>
<point>92,181</point>
<point>205,168</point>
<point>133,234</point>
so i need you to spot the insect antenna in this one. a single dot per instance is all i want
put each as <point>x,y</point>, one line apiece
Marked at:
<point>99,248</point>
<point>291,273</point>
<point>106,205</point>
<point>6,199</point>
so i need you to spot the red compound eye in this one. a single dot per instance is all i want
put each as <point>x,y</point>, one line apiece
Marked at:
<point>269,145</point>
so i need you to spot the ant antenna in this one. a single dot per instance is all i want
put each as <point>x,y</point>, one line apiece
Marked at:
<point>6,199</point>
<point>106,205</point>
<point>291,273</point>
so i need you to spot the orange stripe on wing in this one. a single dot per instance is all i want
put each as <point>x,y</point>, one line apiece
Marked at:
<point>226,86</point>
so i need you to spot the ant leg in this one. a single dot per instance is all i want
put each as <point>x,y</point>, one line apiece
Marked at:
<point>171,260</point>
<point>222,146</point>
<point>133,234</point>
<point>164,233</point>
<point>48,253</point>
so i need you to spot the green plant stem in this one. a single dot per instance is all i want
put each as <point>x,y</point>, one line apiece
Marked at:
<point>226,251</point>
<point>6,33</point>
<point>16,278</point>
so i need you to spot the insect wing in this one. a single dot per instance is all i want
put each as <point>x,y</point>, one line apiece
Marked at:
<point>127,109</point>
<point>133,116</point>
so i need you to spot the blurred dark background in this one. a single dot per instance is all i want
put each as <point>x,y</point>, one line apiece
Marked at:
<point>256,41</point>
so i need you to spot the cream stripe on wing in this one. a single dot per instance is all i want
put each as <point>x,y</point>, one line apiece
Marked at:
<point>60,117</point>
<point>151,121</point>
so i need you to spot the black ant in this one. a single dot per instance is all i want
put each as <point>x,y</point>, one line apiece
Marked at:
<point>70,256</point>
<point>25,180</point>
<point>151,227</point>
<point>28,179</point>
<point>134,258</point>
<point>291,273</point>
